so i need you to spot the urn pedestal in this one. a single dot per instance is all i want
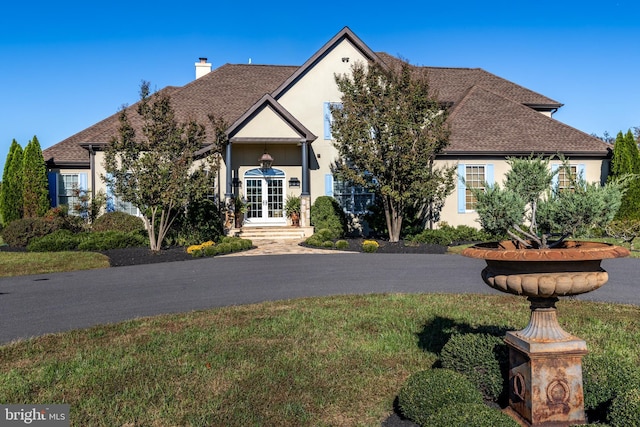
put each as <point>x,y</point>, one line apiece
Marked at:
<point>545,362</point>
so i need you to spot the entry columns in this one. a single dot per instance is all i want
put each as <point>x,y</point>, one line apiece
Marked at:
<point>305,197</point>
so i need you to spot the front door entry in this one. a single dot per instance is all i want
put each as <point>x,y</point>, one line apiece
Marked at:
<point>264,191</point>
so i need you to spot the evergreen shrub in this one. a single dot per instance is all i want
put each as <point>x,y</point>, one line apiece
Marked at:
<point>105,240</point>
<point>625,409</point>
<point>326,213</point>
<point>482,358</point>
<point>118,221</point>
<point>342,244</point>
<point>328,244</point>
<point>21,231</point>
<point>470,415</point>
<point>605,377</point>
<point>426,392</point>
<point>59,240</point>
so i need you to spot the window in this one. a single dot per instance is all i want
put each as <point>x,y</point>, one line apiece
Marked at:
<point>68,184</point>
<point>472,176</point>
<point>475,178</point>
<point>328,118</point>
<point>115,204</point>
<point>354,199</point>
<point>565,178</point>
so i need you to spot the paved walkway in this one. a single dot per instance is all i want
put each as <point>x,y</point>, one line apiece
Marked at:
<point>280,247</point>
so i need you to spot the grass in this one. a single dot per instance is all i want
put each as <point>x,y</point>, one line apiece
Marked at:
<point>23,263</point>
<point>315,361</point>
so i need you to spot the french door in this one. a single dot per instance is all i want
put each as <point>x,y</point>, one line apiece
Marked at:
<point>265,200</point>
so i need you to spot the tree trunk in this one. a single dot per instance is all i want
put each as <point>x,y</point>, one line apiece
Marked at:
<point>394,220</point>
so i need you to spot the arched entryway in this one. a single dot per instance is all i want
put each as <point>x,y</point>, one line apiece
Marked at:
<point>264,191</point>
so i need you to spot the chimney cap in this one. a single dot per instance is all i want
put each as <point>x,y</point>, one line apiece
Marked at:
<point>202,60</point>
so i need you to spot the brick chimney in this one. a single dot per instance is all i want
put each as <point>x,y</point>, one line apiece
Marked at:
<point>202,67</point>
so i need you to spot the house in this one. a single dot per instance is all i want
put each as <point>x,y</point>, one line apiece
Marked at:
<point>283,111</point>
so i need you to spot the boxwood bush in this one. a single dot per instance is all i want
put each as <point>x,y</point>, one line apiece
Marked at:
<point>426,392</point>
<point>319,238</point>
<point>447,235</point>
<point>625,409</point>
<point>482,358</point>
<point>327,214</point>
<point>604,378</point>
<point>470,415</point>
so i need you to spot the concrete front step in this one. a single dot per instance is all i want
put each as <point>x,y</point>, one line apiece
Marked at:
<point>265,233</point>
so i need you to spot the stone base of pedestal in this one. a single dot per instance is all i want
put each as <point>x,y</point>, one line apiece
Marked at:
<point>545,380</point>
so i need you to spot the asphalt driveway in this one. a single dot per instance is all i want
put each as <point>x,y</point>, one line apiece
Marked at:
<point>40,304</point>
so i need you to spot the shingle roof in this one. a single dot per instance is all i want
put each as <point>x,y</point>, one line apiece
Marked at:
<point>489,115</point>
<point>484,122</point>
<point>226,92</point>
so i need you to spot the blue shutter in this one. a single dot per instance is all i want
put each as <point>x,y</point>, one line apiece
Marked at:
<point>488,175</point>
<point>82,182</point>
<point>462,189</point>
<point>328,185</point>
<point>327,120</point>
<point>52,177</point>
<point>554,169</point>
<point>111,207</point>
<point>581,171</point>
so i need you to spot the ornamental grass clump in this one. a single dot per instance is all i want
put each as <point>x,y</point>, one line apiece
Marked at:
<point>551,213</point>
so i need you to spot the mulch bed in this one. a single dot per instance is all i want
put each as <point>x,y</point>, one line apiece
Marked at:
<point>142,255</point>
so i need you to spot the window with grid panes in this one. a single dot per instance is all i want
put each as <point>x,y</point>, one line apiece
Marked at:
<point>474,178</point>
<point>566,176</point>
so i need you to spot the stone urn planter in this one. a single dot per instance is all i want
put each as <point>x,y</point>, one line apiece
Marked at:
<point>545,362</point>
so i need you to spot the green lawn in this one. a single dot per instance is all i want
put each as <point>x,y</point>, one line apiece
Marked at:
<point>316,361</point>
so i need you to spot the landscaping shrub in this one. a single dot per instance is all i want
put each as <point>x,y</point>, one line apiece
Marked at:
<point>605,377</point>
<point>20,232</point>
<point>200,250</point>
<point>104,240</point>
<point>201,221</point>
<point>61,220</point>
<point>118,221</point>
<point>447,235</point>
<point>625,409</point>
<point>342,244</point>
<point>326,213</point>
<point>370,246</point>
<point>470,415</point>
<point>319,238</point>
<point>59,240</point>
<point>328,244</point>
<point>426,392</point>
<point>482,358</point>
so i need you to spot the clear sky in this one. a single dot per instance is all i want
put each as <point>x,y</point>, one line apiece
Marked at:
<point>67,65</point>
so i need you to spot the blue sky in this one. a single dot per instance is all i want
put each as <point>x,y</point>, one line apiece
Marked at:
<point>67,65</point>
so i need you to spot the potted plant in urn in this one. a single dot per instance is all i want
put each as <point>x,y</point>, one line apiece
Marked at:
<point>538,261</point>
<point>292,209</point>
<point>240,208</point>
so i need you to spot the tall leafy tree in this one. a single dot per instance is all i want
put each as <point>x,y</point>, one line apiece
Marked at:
<point>11,196</point>
<point>155,171</point>
<point>388,131</point>
<point>35,186</point>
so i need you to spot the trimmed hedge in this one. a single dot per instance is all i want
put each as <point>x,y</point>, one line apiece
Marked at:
<point>447,235</point>
<point>625,409</point>
<point>470,415</point>
<point>104,240</point>
<point>59,240</point>
<point>426,392</point>
<point>482,358</point>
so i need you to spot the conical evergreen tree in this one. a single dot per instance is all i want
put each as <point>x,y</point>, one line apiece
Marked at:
<point>630,164</point>
<point>620,162</point>
<point>35,186</point>
<point>11,198</point>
